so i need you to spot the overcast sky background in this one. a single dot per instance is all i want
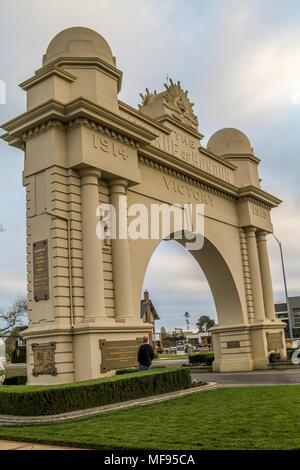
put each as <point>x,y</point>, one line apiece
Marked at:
<point>240,61</point>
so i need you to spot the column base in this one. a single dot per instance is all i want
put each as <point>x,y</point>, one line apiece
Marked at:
<point>87,349</point>
<point>62,368</point>
<point>245,347</point>
<point>232,365</point>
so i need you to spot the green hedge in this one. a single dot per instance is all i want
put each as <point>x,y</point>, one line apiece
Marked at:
<point>290,352</point>
<point>126,371</point>
<point>209,360</point>
<point>18,356</point>
<point>48,400</point>
<point>274,357</point>
<point>201,358</point>
<point>16,380</point>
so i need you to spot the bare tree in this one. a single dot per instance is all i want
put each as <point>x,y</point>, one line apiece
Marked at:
<point>2,229</point>
<point>13,317</point>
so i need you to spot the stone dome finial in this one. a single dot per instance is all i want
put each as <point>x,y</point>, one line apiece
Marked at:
<point>229,141</point>
<point>78,42</point>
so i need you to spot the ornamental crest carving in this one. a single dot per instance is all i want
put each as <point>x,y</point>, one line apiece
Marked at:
<point>173,101</point>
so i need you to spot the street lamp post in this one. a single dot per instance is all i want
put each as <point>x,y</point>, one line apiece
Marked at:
<point>286,291</point>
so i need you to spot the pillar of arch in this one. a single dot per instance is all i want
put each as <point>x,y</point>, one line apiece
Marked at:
<point>84,147</point>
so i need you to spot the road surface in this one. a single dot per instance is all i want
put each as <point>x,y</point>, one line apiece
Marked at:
<point>260,377</point>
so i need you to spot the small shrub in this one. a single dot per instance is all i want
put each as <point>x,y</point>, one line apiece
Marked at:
<point>18,356</point>
<point>200,358</point>
<point>209,360</point>
<point>274,357</point>
<point>290,352</point>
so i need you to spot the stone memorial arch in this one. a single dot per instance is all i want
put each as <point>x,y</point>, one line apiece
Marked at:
<point>83,147</point>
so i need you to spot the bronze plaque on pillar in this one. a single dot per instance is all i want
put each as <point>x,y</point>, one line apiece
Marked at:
<point>44,359</point>
<point>40,270</point>
<point>274,341</point>
<point>233,344</point>
<point>118,354</point>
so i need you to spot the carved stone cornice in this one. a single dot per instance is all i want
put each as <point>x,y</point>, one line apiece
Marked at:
<point>83,107</point>
<point>44,73</point>
<point>259,197</point>
<point>79,122</point>
<point>53,110</point>
<point>80,62</point>
<point>242,156</point>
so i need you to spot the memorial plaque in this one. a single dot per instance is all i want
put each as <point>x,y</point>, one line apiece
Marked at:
<point>274,341</point>
<point>233,344</point>
<point>40,270</point>
<point>118,354</point>
<point>44,359</point>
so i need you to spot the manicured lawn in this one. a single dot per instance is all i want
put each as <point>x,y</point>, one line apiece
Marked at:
<point>172,356</point>
<point>231,418</point>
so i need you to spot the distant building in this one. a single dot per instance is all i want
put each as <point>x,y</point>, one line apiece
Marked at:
<point>195,338</point>
<point>15,341</point>
<point>203,338</point>
<point>149,315</point>
<point>281,312</point>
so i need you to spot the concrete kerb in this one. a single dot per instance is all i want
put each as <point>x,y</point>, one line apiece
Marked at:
<point>10,420</point>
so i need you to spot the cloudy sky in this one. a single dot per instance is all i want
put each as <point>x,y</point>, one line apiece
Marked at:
<point>240,61</point>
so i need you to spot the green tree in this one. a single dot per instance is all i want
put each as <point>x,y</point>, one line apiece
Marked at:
<point>187,316</point>
<point>204,323</point>
<point>163,335</point>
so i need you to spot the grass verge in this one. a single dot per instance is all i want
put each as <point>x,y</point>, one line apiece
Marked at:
<point>172,356</point>
<point>256,418</point>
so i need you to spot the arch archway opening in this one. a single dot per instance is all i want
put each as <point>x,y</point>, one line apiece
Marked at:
<point>176,285</point>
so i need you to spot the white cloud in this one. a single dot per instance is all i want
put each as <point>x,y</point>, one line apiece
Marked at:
<point>13,286</point>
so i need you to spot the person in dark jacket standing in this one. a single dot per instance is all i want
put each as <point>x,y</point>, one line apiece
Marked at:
<point>145,354</point>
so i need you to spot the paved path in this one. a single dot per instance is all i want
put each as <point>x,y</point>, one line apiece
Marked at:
<point>14,445</point>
